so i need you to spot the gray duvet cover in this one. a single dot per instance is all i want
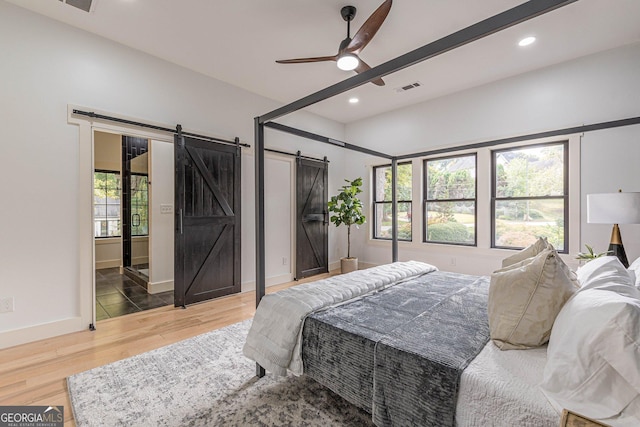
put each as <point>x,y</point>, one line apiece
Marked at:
<point>399,353</point>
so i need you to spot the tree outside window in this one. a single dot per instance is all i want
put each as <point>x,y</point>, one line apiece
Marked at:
<point>382,205</point>
<point>106,203</point>
<point>450,200</point>
<point>530,195</point>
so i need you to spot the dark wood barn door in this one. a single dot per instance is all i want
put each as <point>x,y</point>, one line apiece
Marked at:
<point>207,243</point>
<point>312,239</point>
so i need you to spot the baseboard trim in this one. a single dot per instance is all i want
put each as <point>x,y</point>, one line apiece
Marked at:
<point>157,287</point>
<point>335,266</point>
<point>39,332</point>
<point>110,263</point>
<point>271,281</point>
<point>364,265</point>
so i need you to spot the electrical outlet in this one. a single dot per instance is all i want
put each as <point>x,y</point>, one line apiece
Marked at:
<point>284,260</point>
<point>6,305</point>
<point>453,261</point>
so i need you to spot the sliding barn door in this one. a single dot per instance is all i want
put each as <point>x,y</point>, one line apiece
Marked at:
<point>312,229</point>
<point>207,243</point>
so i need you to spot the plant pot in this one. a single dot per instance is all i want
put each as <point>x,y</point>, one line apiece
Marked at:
<point>348,265</point>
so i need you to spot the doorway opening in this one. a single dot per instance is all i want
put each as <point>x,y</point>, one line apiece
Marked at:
<point>133,196</point>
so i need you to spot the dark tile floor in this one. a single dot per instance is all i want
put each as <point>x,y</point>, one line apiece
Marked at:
<point>117,295</point>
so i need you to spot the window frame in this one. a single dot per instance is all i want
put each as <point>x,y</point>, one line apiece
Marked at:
<point>425,200</point>
<point>146,175</point>
<point>565,197</point>
<point>114,172</point>
<point>376,203</point>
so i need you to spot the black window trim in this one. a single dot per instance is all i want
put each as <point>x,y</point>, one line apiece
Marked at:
<point>376,203</point>
<point>131,206</point>
<point>425,200</point>
<point>564,197</point>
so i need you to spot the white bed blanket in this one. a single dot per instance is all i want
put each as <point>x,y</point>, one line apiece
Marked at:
<point>274,340</point>
<point>501,388</point>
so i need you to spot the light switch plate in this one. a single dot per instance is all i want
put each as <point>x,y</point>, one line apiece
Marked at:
<point>166,209</point>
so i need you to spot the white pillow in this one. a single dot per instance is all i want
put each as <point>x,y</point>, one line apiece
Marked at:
<point>605,271</point>
<point>635,268</point>
<point>593,358</point>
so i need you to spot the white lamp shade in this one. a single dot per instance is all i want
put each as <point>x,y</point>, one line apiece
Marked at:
<point>613,208</point>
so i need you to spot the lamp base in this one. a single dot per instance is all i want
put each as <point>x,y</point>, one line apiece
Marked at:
<point>616,248</point>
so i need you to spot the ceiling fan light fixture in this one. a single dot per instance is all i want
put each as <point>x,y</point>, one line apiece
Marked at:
<point>348,62</point>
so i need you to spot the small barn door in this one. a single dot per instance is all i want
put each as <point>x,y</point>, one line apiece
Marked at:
<point>312,240</point>
<point>207,243</point>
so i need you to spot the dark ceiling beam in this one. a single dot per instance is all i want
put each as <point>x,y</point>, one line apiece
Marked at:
<point>548,134</point>
<point>326,140</point>
<point>524,12</point>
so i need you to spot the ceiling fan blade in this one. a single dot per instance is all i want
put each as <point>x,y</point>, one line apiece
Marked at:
<point>362,67</point>
<point>369,28</point>
<point>303,60</point>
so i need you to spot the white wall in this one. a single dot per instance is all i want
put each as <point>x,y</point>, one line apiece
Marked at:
<point>278,218</point>
<point>161,229</point>
<point>108,252</point>
<point>610,160</point>
<point>45,67</point>
<point>107,155</point>
<point>107,151</point>
<point>591,89</point>
<point>139,250</point>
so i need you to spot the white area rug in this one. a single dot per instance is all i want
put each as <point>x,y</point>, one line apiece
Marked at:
<point>203,381</point>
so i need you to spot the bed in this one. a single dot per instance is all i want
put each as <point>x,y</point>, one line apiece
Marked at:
<point>408,344</point>
<point>388,350</point>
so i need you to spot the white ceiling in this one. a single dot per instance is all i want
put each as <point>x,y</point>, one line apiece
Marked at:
<point>237,41</point>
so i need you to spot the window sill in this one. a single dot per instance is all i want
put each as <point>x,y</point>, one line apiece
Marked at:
<point>461,250</point>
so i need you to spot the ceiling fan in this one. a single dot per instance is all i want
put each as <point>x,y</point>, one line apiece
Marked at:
<point>347,56</point>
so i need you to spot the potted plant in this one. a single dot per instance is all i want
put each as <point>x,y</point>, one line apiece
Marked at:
<point>346,209</point>
<point>591,255</point>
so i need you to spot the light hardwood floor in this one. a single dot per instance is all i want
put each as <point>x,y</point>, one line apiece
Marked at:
<point>35,373</point>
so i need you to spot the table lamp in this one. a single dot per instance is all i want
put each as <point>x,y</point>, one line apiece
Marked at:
<point>614,208</point>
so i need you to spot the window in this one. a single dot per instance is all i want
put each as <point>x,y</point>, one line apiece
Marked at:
<point>139,205</point>
<point>382,206</point>
<point>106,203</point>
<point>530,196</point>
<point>450,200</point>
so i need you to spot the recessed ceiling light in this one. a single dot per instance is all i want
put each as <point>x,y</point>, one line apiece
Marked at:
<point>353,100</point>
<point>526,41</point>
